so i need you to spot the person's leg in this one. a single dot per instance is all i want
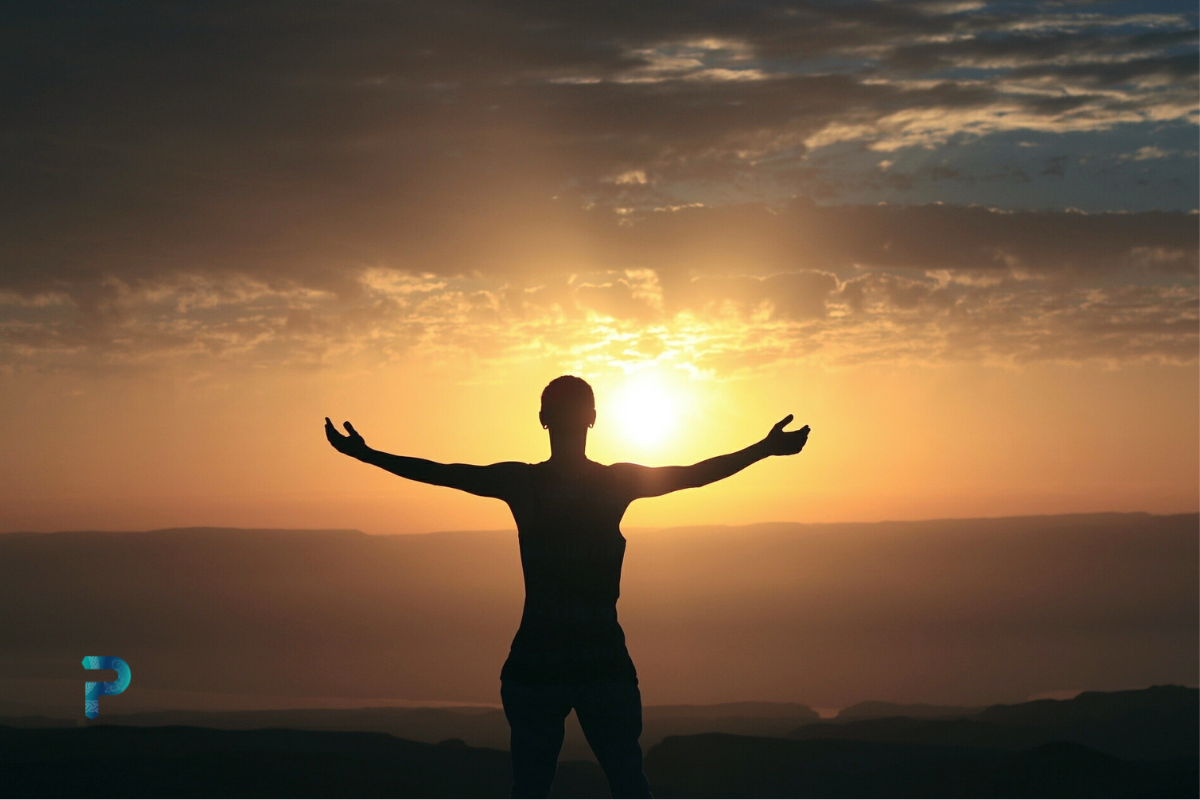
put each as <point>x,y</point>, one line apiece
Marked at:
<point>610,713</point>
<point>535,717</point>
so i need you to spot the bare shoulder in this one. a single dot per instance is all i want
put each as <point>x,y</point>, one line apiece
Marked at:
<point>510,470</point>
<point>624,474</point>
<point>506,479</point>
<point>510,466</point>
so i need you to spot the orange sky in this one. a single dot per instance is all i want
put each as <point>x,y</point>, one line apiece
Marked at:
<point>888,442</point>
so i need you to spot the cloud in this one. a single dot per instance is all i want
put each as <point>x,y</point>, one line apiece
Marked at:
<point>710,286</point>
<point>289,183</point>
<point>169,113</point>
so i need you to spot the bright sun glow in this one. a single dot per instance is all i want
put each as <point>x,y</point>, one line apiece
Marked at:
<point>645,409</point>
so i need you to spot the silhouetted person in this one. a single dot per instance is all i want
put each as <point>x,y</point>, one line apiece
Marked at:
<point>569,651</point>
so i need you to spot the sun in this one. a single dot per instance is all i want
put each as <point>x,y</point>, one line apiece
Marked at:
<point>645,410</point>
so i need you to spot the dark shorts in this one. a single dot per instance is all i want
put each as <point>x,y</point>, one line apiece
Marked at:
<point>610,713</point>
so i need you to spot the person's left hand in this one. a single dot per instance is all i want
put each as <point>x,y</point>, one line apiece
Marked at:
<point>785,443</point>
<point>352,445</point>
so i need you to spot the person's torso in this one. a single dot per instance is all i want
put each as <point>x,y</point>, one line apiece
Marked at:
<point>572,550</point>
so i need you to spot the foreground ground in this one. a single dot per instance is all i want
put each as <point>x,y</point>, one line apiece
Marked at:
<point>1121,744</point>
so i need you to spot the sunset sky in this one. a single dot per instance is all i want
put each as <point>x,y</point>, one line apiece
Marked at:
<point>958,239</point>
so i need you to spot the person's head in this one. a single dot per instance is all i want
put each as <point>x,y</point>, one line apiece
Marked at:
<point>567,402</point>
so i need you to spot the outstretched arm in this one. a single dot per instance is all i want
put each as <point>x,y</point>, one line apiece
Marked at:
<point>495,480</point>
<point>655,481</point>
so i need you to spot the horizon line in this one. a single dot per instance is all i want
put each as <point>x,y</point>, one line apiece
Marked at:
<point>511,530</point>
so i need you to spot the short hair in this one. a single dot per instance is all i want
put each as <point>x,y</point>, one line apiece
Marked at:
<point>565,397</point>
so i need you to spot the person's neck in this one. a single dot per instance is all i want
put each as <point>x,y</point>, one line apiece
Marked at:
<point>568,448</point>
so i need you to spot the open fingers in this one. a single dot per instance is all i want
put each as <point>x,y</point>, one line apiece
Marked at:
<point>350,428</point>
<point>802,437</point>
<point>798,438</point>
<point>779,426</point>
<point>333,436</point>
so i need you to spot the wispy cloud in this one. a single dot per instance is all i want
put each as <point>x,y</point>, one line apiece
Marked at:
<point>713,288</point>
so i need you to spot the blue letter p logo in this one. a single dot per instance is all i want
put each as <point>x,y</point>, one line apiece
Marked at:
<point>92,690</point>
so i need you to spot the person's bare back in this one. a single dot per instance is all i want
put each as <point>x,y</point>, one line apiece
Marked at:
<point>568,523</point>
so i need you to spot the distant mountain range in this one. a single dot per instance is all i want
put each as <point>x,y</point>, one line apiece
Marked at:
<point>720,765</point>
<point>878,709</point>
<point>962,611</point>
<point>1123,744</point>
<point>1161,722</point>
<point>477,727</point>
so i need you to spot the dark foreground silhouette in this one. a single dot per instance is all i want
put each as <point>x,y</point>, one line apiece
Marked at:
<point>1038,753</point>
<point>569,651</point>
<point>721,765</point>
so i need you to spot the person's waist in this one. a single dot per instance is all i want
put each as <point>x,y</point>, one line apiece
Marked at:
<point>560,608</point>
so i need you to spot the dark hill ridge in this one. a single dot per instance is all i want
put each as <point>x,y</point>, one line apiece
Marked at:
<point>475,726</point>
<point>1095,706</point>
<point>827,614</point>
<point>720,765</point>
<point>1161,722</point>
<point>734,710</point>
<point>879,709</point>
<point>113,761</point>
<point>1146,724</point>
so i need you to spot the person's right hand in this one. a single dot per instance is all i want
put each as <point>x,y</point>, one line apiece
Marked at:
<point>352,445</point>
<point>785,443</point>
